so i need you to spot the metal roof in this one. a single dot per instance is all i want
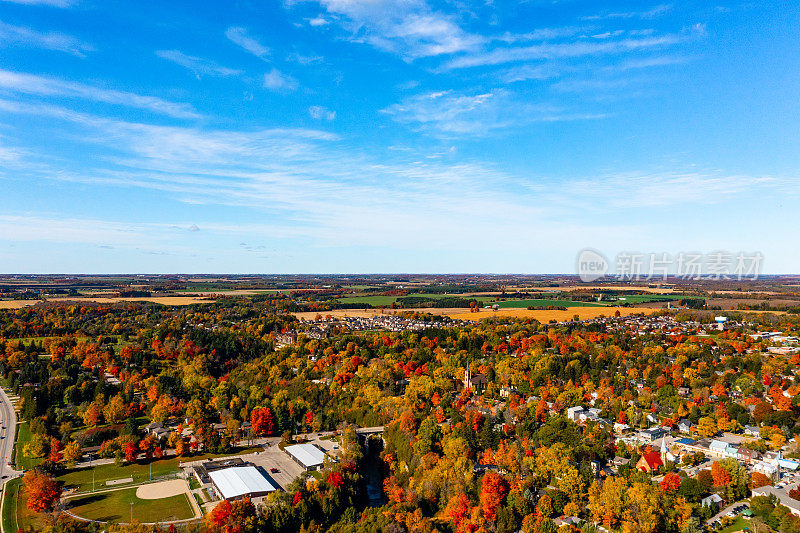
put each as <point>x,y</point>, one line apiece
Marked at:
<point>308,454</point>
<point>239,481</point>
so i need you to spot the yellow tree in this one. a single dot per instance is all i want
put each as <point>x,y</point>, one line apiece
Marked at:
<point>643,509</point>
<point>607,501</point>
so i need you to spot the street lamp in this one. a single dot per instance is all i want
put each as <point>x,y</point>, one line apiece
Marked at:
<point>131,512</point>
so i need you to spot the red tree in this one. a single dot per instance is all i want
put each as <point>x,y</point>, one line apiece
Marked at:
<point>721,476</point>
<point>335,479</point>
<point>671,482</point>
<point>493,489</point>
<point>220,515</point>
<point>263,421</point>
<point>43,491</point>
<point>55,450</point>
<point>131,451</point>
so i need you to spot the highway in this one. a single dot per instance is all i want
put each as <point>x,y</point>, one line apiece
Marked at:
<point>8,425</point>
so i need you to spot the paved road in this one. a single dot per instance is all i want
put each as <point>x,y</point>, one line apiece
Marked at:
<point>8,423</point>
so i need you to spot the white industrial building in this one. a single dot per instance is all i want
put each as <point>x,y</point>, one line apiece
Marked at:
<point>240,481</point>
<point>306,455</point>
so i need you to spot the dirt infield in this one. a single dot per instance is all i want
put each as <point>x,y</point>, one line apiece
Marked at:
<point>162,489</point>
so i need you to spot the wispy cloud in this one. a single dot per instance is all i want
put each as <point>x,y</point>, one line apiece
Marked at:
<point>541,51</point>
<point>319,112</point>
<point>21,35</point>
<point>277,81</point>
<point>452,114</point>
<point>311,185</point>
<point>410,28</point>
<point>241,37</point>
<point>46,86</point>
<point>196,64</point>
<point>656,11</point>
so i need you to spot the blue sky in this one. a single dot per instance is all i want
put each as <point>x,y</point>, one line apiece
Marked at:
<point>394,136</point>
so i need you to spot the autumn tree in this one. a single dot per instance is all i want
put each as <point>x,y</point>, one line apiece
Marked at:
<point>263,421</point>
<point>72,453</point>
<point>42,491</point>
<point>493,489</point>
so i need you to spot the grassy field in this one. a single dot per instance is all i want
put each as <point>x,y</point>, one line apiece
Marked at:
<point>115,506</point>
<point>81,478</point>
<point>15,513</point>
<point>737,525</point>
<point>641,298</point>
<point>523,304</point>
<point>371,300</point>
<point>24,462</point>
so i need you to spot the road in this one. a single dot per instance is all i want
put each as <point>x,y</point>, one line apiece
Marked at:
<point>8,423</point>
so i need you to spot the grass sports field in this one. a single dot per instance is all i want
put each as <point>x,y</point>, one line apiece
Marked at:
<point>115,506</point>
<point>81,479</point>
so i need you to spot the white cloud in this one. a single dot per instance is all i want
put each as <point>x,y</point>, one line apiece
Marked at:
<point>240,36</point>
<point>655,12</point>
<point>408,28</point>
<point>197,64</point>
<point>46,86</point>
<point>10,35</point>
<point>276,81</point>
<point>318,112</point>
<point>318,21</point>
<point>450,114</point>
<point>310,185</point>
<point>500,56</point>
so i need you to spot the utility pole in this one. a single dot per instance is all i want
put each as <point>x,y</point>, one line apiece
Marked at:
<point>93,480</point>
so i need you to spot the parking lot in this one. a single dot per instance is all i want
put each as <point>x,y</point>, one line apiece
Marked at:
<point>273,458</point>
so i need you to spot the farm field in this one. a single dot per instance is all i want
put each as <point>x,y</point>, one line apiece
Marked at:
<point>506,304</point>
<point>370,300</point>
<point>165,300</point>
<point>16,304</point>
<point>546,315</point>
<point>115,506</point>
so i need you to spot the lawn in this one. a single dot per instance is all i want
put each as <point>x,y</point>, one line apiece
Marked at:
<point>81,478</point>
<point>16,515</point>
<point>543,303</point>
<point>737,525</point>
<point>23,437</point>
<point>115,506</point>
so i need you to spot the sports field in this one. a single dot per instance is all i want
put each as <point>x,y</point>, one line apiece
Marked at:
<point>115,506</point>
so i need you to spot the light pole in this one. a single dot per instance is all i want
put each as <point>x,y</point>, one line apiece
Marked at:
<point>93,480</point>
<point>131,512</point>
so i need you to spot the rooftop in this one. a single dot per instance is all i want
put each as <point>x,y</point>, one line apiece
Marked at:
<point>308,454</point>
<point>239,481</point>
